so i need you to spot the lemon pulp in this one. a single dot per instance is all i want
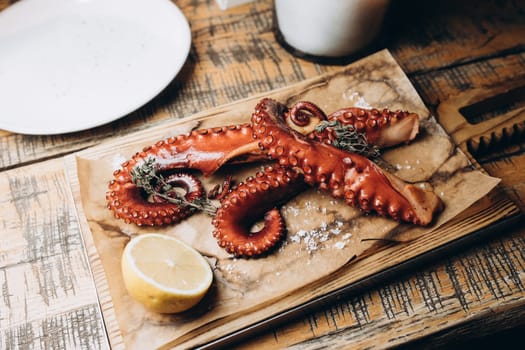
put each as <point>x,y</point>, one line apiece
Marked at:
<point>165,274</point>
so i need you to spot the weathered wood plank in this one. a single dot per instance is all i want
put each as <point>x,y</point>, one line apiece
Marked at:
<point>430,36</point>
<point>508,163</point>
<point>75,328</point>
<point>48,293</point>
<point>439,85</point>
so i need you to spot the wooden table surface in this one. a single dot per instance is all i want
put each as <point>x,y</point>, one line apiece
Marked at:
<point>450,50</point>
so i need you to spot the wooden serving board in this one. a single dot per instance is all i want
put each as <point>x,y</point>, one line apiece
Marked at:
<point>251,293</point>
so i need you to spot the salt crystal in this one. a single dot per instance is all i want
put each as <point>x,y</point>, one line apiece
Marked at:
<point>335,231</point>
<point>294,211</point>
<point>357,99</point>
<point>339,245</point>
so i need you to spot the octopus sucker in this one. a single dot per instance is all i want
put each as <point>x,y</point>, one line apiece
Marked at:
<point>304,145</point>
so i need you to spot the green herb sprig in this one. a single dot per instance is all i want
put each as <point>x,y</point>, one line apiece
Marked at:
<point>146,176</point>
<point>349,139</point>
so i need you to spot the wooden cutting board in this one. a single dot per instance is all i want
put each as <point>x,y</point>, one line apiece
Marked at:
<point>295,277</point>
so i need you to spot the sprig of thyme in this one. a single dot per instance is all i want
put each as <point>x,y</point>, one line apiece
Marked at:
<point>349,139</point>
<point>147,177</point>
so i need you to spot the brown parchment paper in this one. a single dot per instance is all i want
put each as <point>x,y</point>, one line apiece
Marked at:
<point>324,234</point>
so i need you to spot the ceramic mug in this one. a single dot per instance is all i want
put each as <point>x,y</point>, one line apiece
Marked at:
<point>328,28</point>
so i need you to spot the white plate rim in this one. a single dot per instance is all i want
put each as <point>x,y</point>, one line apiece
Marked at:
<point>183,32</point>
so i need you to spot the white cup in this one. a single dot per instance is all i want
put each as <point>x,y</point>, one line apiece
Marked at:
<point>328,28</point>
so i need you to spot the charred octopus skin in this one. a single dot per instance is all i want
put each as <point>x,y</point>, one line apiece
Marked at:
<point>383,128</point>
<point>356,179</point>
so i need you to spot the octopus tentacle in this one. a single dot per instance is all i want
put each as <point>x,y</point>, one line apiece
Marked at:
<point>382,128</point>
<point>249,201</point>
<point>354,178</point>
<point>304,116</point>
<point>218,192</point>
<point>205,150</point>
<point>132,205</point>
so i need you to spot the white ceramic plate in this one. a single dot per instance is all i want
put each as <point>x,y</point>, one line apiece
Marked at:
<point>69,65</point>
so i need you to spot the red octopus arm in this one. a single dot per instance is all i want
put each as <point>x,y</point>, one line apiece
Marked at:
<point>382,128</point>
<point>205,150</point>
<point>249,201</point>
<point>345,175</point>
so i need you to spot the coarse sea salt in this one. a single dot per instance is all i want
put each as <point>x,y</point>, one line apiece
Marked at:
<point>315,239</point>
<point>292,210</point>
<point>335,231</point>
<point>356,99</point>
<point>339,245</point>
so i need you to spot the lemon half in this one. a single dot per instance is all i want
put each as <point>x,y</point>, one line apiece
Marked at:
<point>165,274</point>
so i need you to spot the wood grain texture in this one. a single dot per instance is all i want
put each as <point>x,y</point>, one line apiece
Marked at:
<point>446,47</point>
<point>48,297</point>
<point>432,36</point>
